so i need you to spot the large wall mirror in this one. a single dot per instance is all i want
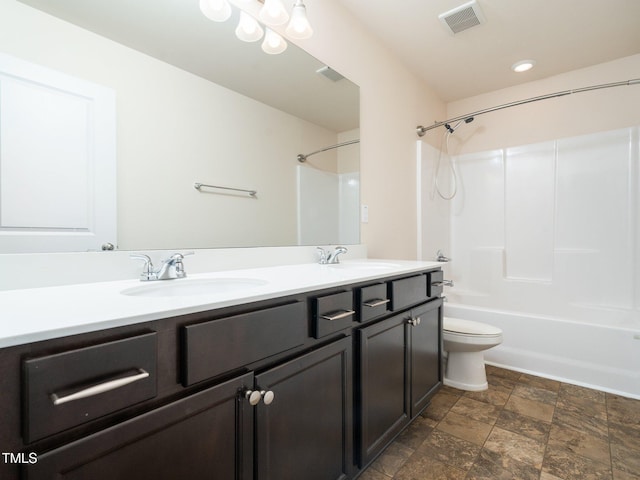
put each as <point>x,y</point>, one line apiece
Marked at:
<point>193,104</point>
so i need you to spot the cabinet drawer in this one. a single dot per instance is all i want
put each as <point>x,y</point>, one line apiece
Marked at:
<point>215,347</point>
<point>408,291</point>
<point>70,388</point>
<point>434,283</point>
<point>332,313</point>
<point>373,301</point>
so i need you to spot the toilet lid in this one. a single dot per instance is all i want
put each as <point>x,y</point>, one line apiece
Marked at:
<point>469,327</point>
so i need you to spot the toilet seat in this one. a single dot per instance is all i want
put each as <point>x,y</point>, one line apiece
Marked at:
<point>458,326</point>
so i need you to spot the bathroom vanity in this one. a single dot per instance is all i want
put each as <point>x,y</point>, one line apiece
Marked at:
<point>309,380</point>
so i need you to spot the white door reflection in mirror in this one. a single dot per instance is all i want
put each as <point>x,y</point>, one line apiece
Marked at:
<point>57,161</point>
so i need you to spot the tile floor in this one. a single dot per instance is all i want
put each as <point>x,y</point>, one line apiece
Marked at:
<point>522,428</point>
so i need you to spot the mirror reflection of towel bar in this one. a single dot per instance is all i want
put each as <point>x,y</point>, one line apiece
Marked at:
<point>252,193</point>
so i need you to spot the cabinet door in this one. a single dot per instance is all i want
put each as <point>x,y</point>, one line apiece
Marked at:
<point>425,342</point>
<point>306,431</point>
<point>204,436</point>
<point>383,399</point>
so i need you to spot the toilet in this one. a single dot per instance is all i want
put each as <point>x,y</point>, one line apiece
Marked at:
<point>465,342</point>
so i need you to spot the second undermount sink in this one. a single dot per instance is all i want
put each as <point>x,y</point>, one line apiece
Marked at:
<point>190,287</point>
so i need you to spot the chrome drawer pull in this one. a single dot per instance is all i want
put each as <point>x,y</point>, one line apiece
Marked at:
<point>338,315</point>
<point>443,283</point>
<point>100,388</point>
<point>376,303</point>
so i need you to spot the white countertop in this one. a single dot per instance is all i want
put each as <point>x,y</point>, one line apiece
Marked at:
<point>35,314</point>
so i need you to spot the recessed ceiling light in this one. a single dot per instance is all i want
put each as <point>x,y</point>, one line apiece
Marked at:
<point>523,65</point>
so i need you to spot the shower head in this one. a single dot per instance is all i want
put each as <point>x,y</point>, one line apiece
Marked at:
<point>452,129</point>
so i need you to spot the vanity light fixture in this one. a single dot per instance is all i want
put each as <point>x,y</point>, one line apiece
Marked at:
<point>216,10</point>
<point>523,66</point>
<point>248,30</point>
<point>273,43</point>
<point>272,13</point>
<point>299,26</point>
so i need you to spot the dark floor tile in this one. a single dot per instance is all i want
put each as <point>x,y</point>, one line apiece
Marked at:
<point>416,433</point>
<point>491,466</point>
<point>580,443</point>
<point>538,394</point>
<point>450,450</point>
<point>420,467</point>
<point>493,396</point>
<point>527,426</point>
<point>501,382</point>
<point>625,447</point>
<point>390,461</point>
<point>465,428</point>
<point>583,406</point>
<point>530,408</point>
<point>620,475</point>
<point>523,428</point>
<point>451,391</point>
<point>568,390</point>
<point>440,405</point>
<point>566,465</point>
<point>516,447</point>
<point>371,474</point>
<point>584,423</point>
<point>540,382</point>
<point>476,410</point>
<point>623,410</point>
<point>548,476</point>
<point>502,372</point>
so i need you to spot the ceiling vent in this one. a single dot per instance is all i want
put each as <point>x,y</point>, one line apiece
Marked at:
<point>462,18</point>
<point>330,73</point>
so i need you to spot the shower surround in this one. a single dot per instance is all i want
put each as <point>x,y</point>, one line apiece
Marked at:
<point>545,245</point>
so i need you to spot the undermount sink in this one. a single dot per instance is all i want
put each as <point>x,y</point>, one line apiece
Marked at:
<point>190,287</point>
<point>373,266</point>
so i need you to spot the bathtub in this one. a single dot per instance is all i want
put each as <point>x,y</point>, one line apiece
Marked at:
<point>595,356</point>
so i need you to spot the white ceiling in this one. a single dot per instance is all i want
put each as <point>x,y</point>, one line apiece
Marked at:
<point>561,35</point>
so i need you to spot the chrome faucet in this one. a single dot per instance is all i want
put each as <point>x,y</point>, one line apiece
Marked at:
<point>326,257</point>
<point>171,268</point>
<point>440,257</point>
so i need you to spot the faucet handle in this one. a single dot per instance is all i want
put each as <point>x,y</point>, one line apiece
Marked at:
<point>322,253</point>
<point>147,269</point>
<point>177,257</point>
<point>440,257</point>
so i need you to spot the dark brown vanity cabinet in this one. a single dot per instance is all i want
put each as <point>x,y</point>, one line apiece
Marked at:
<point>300,427</point>
<point>206,435</point>
<point>398,372</point>
<point>306,431</point>
<point>311,386</point>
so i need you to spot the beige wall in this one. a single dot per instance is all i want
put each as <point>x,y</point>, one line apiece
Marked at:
<point>567,116</point>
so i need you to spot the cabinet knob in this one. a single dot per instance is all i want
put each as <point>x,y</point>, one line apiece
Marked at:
<point>253,396</point>
<point>267,397</point>
<point>414,321</point>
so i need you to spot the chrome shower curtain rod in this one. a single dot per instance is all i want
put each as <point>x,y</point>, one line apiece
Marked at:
<point>301,157</point>
<point>422,130</point>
